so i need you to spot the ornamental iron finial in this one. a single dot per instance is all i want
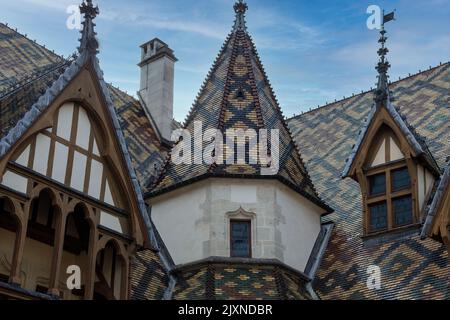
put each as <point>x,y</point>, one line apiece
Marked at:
<point>382,94</point>
<point>240,7</point>
<point>88,41</point>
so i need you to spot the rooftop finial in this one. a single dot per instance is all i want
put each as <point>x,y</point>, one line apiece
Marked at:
<point>382,92</point>
<point>88,41</point>
<point>240,7</point>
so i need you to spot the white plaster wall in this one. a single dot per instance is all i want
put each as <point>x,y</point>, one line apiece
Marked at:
<point>194,221</point>
<point>15,181</point>
<point>396,153</point>
<point>110,221</point>
<point>429,181</point>
<point>421,185</point>
<point>65,116</point>
<point>40,161</point>
<point>95,181</point>
<point>84,129</point>
<point>299,227</point>
<point>380,157</point>
<point>60,162</point>
<point>425,183</point>
<point>78,171</point>
<point>179,220</point>
<point>108,196</point>
<point>24,156</point>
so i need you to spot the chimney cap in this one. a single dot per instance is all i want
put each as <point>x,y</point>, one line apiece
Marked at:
<point>161,51</point>
<point>153,41</point>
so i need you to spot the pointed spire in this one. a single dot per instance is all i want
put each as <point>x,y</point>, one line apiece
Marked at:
<point>240,7</point>
<point>88,41</point>
<point>382,94</point>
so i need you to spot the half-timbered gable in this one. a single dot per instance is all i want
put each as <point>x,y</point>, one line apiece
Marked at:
<point>70,199</point>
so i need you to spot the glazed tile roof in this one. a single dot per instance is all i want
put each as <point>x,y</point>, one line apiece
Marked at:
<point>238,95</point>
<point>22,101</point>
<point>28,69</point>
<point>20,57</point>
<point>411,268</point>
<point>217,279</point>
<point>15,102</point>
<point>417,142</point>
<point>149,280</point>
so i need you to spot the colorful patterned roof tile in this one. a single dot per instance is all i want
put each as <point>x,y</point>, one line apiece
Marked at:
<point>20,57</point>
<point>149,280</point>
<point>411,268</point>
<point>236,279</point>
<point>238,95</point>
<point>23,101</point>
<point>27,70</point>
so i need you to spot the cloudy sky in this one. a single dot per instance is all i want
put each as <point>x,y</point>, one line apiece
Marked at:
<point>313,51</point>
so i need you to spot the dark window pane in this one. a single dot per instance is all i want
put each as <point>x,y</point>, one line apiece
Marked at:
<point>400,179</point>
<point>240,239</point>
<point>403,211</point>
<point>378,217</point>
<point>377,185</point>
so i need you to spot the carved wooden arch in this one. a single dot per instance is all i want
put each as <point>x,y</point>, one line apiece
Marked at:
<point>95,119</point>
<point>35,193</point>
<point>90,215</point>
<point>105,240</point>
<point>107,152</point>
<point>381,118</point>
<point>18,213</point>
<point>86,89</point>
<point>123,256</point>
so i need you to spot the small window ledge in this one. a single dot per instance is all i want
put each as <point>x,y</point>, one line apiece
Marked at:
<point>390,235</point>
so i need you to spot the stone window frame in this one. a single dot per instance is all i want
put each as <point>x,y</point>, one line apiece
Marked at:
<point>241,215</point>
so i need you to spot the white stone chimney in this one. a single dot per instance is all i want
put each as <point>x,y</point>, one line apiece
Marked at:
<point>157,78</point>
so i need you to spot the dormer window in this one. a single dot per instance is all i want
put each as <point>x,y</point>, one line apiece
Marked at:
<point>396,174</point>
<point>389,200</point>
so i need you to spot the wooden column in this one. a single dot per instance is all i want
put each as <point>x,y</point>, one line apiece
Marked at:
<point>19,246</point>
<point>124,283</point>
<point>58,247</point>
<point>92,257</point>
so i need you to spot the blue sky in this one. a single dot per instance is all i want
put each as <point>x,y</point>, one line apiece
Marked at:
<point>313,51</point>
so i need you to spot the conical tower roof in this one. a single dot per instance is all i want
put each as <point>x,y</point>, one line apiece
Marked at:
<point>237,95</point>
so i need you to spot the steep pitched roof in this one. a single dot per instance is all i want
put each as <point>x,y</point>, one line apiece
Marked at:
<point>31,75</point>
<point>87,56</point>
<point>27,70</point>
<point>417,143</point>
<point>238,95</point>
<point>383,100</point>
<point>411,268</point>
<point>20,58</point>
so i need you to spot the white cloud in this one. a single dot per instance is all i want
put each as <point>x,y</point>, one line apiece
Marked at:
<point>50,4</point>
